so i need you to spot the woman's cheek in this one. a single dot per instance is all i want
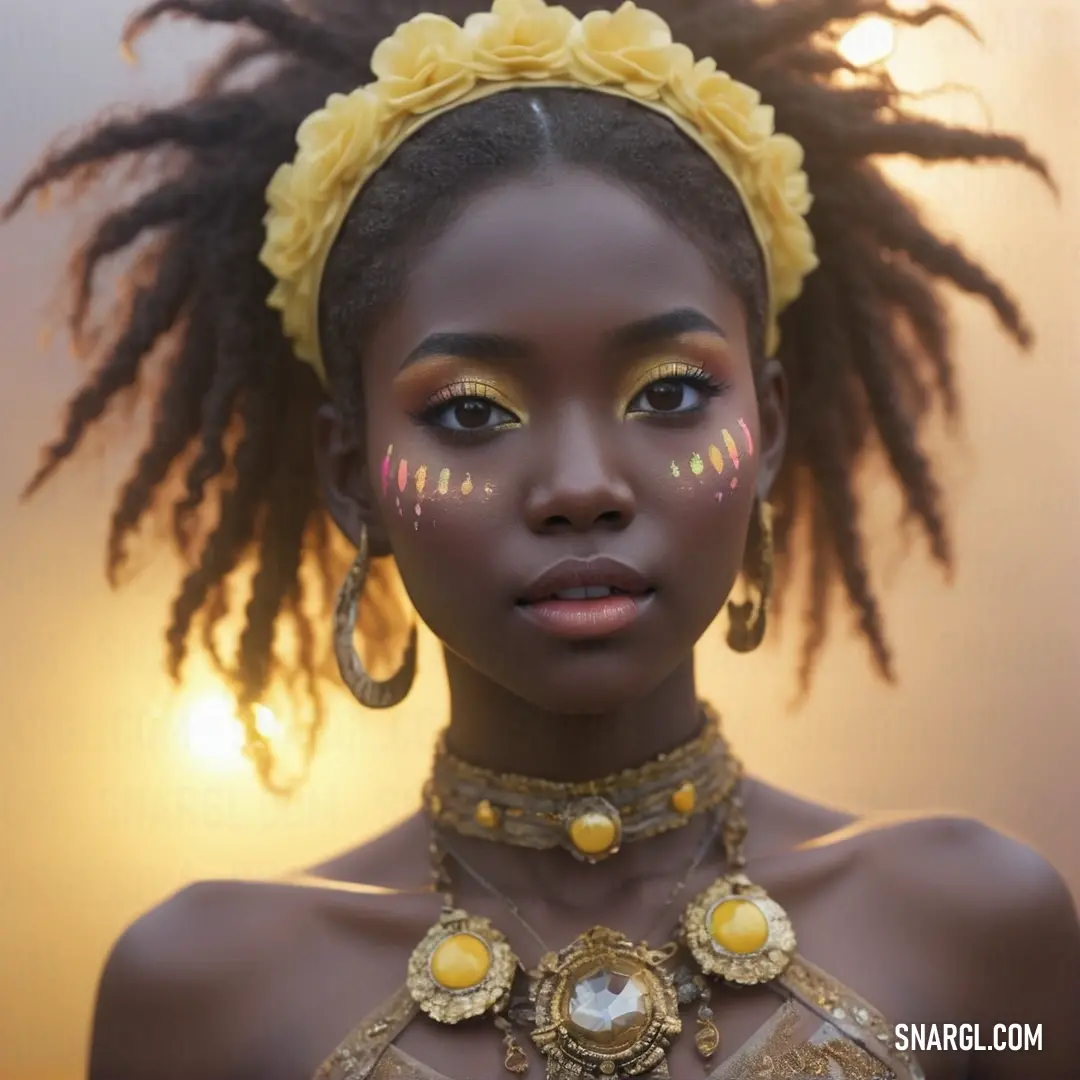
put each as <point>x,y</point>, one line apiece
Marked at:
<point>417,491</point>
<point>716,468</point>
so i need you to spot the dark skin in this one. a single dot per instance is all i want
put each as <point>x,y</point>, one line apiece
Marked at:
<point>930,920</point>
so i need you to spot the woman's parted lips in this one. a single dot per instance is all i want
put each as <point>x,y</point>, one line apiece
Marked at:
<point>597,572</point>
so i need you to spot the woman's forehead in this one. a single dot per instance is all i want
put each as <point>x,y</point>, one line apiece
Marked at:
<point>566,250</point>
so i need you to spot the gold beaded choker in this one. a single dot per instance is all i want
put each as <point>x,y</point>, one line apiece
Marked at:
<point>591,819</point>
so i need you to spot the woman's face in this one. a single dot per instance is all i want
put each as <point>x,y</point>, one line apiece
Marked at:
<point>563,401</point>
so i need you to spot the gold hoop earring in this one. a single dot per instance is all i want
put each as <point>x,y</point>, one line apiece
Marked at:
<point>746,621</point>
<point>366,690</point>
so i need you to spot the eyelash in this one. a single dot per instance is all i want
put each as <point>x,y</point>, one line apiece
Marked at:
<point>455,393</point>
<point>678,371</point>
<point>474,390</point>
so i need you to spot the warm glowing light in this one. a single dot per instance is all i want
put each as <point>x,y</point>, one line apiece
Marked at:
<point>266,723</point>
<point>214,733</point>
<point>870,41</point>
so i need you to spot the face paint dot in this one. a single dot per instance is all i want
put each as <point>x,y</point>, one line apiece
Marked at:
<point>697,466</point>
<point>402,474</point>
<point>386,468</point>
<point>674,469</point>
<point>719,496</point>
<point>444,482</point>
<point>417,508</point>
<point>489,487</point>
<point>421,479</point>
<point>466,484</point>
<point>749,437</point>
<point>734,482</point>
<point>416,525</point>
<point>717,458</point>
<point>732,449</point>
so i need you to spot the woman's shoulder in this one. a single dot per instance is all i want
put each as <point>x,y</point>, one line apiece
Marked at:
<point>972,898</point>
<point>214,952</point>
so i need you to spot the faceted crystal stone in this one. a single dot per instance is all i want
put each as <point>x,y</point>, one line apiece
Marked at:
<point>608,1007</point>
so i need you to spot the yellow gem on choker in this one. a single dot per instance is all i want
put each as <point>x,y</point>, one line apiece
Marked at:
<point>460,962</point>
<point>738,926</point>
<point>594,833</point>
<point>684,798</point>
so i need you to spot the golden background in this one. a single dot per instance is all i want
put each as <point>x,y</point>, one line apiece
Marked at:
<point>107,807</point>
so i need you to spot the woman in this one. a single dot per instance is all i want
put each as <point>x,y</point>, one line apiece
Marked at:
<point>551,292</point>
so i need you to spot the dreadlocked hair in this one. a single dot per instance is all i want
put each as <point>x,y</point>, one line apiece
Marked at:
<point>866,348</point>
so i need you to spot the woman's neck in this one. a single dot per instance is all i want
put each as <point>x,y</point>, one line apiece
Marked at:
<point>493,729</point>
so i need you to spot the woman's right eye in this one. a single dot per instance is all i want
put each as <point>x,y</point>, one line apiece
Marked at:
<point>471,414</point>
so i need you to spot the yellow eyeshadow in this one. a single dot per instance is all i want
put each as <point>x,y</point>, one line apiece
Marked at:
<point>474,388</point>
<point>643,376</point>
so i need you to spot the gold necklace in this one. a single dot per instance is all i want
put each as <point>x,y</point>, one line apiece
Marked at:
<point>591,819</point>
<point>605,1006</point>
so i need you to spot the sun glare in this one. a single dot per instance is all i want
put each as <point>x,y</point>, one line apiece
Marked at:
<point>870,41</point>
<point>215,735</point>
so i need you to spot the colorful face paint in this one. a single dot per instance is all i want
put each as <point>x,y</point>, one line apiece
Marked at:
<point>734,482</point>
<point>749,438</point>
<point>421,480</point>
<point>675,470</point>
<point>732,449</point>
<point>697,466</point>
<point>466,484</point>
<point>489,487</point>
<point>444,482</point>
<point>402,474</point>
<point>386,468</point>
<point>717,458</point>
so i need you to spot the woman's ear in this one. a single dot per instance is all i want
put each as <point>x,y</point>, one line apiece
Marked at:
<point>772,395</point>
<point>346,480</point>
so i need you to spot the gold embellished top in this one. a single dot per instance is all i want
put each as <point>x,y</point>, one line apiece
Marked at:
<point>820,1029</point>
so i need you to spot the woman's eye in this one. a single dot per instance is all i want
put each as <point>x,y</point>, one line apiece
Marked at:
<point>472,414</point>
<point>670,396</point>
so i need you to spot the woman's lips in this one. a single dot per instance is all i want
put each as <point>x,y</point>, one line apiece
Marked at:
<point>586,618</point>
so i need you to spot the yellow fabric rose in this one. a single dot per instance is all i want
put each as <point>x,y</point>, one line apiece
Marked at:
<point>521,39</point>
<point>724,108</point>
<point>782,200</point>
<point>292,224</point>
<point>628,46</point>
<point>335,142</point>
<point>426,63</point>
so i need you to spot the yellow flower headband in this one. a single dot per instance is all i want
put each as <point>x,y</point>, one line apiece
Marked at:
<point>430,65</point>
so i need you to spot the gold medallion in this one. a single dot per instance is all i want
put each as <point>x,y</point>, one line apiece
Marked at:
<point>604,1008</point>
<point>463,968</point>
<point>733,930</point>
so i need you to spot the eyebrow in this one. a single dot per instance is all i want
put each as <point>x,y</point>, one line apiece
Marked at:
<point>497,348</point>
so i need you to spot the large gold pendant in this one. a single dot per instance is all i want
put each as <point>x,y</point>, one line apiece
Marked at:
<point>734,931</point>
<point>604,1008</point>
<point>463,968</point>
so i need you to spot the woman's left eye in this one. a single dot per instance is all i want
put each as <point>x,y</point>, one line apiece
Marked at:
<point>679,395</point>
